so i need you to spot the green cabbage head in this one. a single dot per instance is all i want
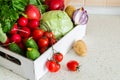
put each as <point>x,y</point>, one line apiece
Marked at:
<point>56,21</point>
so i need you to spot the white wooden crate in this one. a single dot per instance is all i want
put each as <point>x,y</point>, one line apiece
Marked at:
<point>34,70</point>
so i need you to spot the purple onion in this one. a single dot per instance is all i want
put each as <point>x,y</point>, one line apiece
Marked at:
<point>80,16</point>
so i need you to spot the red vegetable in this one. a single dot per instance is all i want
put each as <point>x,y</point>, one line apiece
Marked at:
<point>15,38</point>
<point>52,41</point>
<point>33,24</point>
<point>57,67</point>
<point>24,32</point>
<point>58,57</point>
<point>43,42</point>
<point>51,37</point>
<point>42,50</point>
<point>37,33</point>
<point>52,66</point>
<point>22,21</point>
<point>14,29</point>
<point>73,65</point>
<point>55,4</point>
<point>32,12</point>
<point>48,34</point>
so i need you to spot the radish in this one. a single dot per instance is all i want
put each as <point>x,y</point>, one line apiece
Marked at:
<point>24,32</point>
<point>33,24</point>
<point>32,12</point>
<point>22,21</point>
<point>15,38</point>
<point>14,29</point>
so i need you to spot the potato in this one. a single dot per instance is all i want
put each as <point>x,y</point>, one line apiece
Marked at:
<point>70,10</point>
<point>80,47</point>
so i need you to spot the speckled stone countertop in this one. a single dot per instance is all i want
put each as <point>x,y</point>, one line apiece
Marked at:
<point>103,57</point>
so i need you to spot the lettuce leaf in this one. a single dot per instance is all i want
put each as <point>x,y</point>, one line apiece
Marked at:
<point>3,36</point>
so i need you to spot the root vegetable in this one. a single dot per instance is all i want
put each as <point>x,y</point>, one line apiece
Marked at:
<point>80,48</point>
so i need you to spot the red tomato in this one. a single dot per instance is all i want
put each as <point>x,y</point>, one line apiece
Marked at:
<point>58,57</point>
<point>52,41</point>
<point>14,29</point>
<point>22,21</point>
<point>42,50</point>
<point>51,37</point>
<point>52,66</point>
<point>43,42</point>
<point>15,38</point>
<point>32,12</point>
<point>73,65</point>
<point>57,67</point>
<point>37,34</point>
<point>24,32</point>
<point>33,24</point>
<point>48,34</point>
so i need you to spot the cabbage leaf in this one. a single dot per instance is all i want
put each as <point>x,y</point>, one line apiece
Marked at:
<point>56,21</point>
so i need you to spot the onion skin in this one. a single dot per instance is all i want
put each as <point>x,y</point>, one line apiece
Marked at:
<point>80,16</point>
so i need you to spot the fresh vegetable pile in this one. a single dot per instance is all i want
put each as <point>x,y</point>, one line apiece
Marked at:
<point>30,27</point>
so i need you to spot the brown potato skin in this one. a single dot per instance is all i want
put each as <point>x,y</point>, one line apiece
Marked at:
<point>80,48</point>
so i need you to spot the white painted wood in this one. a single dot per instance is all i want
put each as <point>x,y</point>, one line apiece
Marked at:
<point>34,70</point>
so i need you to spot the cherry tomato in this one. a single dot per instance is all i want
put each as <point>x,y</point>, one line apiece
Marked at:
<point>52,41</point>
<point>52,66</point>
<point>58,57</point>
<point>43,42</point>
<point>22,21</point>
<point>57,67</point>
<point>48,34</point>
<point>15,38</point>
<point>33,24</point>
<point>37,33</point>
<point>51,37</point>
<point>42,50</point>
<point>24,32</point>
<point>73,65</point>
<point>14,29</point>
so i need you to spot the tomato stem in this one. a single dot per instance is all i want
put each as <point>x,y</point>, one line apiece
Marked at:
<point>78,68</point>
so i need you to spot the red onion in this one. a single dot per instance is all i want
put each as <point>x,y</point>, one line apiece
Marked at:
<point>80,16</point>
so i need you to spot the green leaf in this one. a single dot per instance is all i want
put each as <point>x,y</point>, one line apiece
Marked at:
<point>33,2</point>
<point>7,26</point>
<point>19,4</point>
<point>42,8</point>
<point>13,15</point>
<point>3,36</point>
